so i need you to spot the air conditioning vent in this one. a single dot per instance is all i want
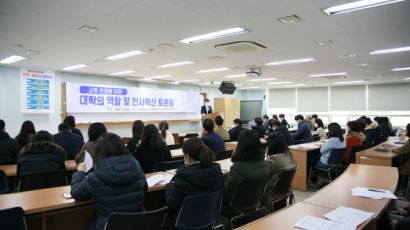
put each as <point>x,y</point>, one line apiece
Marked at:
<point>240,47</point>
<point>338,77</point>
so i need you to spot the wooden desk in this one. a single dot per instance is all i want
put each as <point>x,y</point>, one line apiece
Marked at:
<point>372,157</point>
<point>181,137</point>
<point>11,170</point>
<point>300,154</point>
<point>177,153</point>
<point>231,145</point>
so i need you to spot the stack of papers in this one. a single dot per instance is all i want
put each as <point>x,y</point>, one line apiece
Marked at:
<point>373,193</point>
<point>314,223</point>
<point>164,178</point>
<point>309,146</point>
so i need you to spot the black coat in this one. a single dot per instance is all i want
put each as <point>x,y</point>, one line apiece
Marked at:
<point>133,144</point>
<point>117,185</point>
<point>8,148</point>
<point>77,131</point>
<point>234,132</point>
<point>214,141</point>
<point>284,130</point>
<point>70,142</point>
<point>203,109</point>
<point>260,130</point>
<point>148,158</point>
<point>284,122</point>
<point>191,179</point>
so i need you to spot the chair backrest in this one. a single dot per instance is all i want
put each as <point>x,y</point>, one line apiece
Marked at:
<point>176,146</point>
<point>316,137</point>
<point>168,165</point>
<point>32,181</point>
<point>336,157</point>
<point>223,155</point>
<point>353,151</point>
<point>199,211</point>
<point>4,187</point>
<point>149,220</point>
<point>12,219</point>
<point>283,186</point>
<point>249,195</point>
<point>189,135</point>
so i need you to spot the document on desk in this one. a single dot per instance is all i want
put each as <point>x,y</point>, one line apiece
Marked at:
<point>314,223</point>
<point>309,146</point>
<point>163,178</point>
<point>88,161</point>
<point>373,193</point>
<point>349,215</point>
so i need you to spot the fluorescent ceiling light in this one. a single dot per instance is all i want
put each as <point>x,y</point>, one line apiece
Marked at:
<point>176,64</point>
<point>407,78</point>
<point>249,88</point>
<point>349,82</point>
<point>190,80</point>
<point>264,79</point>
<point>357,5</point>
<point>125,55</point>
<point>74,67</point>
<point>401,69</point>
<point>147,79</point>
<point>160,76</point>
<point>328,74</point>
<point>217,34</point>
<point>236,75</point>
<point>278,83</point>
<point>389,51</point>
<point>122,72</point>
<point>291,61</point>
<point>12,59</point>
<point>217,82</point>
<point>296,85</point>
<point>212,70</point>
<point>207,83</point>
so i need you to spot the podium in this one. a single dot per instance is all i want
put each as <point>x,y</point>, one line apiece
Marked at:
<point>210,116</point>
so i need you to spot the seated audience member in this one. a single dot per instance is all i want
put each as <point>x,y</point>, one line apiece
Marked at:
<point>385,130</point>
<point>282,119</point>
<point>276,126</point>
<point>117,182</point>
<point>199,175</point>
<point>71,121</point>
<point>166,135</point>
<point>26,134</point>
<point>372,125</point>
<point>403,161</point>
<point>248,164</point>
<point>251,124</point>
<point>137,134</point>
<point>152,149</point>
<point>70,142</point>
<point>275,117</point>
<point>219,129</point>
<point>353,138</point>
<point>94,132</point>
<point>259,128</point>
<point>280,160</point>
<point>210,138</point>
<point>8,146</point>
<point>265,120</point>
<point>41,155</point>
<point>362,124</point>
<point>236,129</point>
<point>320,129</point>
<point>313,121</point>
<point>304,131</point>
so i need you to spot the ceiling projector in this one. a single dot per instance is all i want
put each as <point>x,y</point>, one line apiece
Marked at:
<point>254,73</point>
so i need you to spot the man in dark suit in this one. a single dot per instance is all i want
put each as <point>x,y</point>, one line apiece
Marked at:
<point>303,132</point>
<point>234,132</point>
<point>206,108</point>
<point>210,138</point>
<point>70,142</point>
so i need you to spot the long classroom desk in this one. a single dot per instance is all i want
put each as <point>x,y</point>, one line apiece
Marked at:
<point>372,157</point>
<point>231,145</point>
<point>11,170</point>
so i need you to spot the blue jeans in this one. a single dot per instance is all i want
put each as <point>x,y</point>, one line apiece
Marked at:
<point>321,165</point>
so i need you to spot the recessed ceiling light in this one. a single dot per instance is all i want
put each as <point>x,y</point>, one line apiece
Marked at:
<point>190,80</point>
<point>407,78</point>
<point>160,76</point>
<point>213,35</point>
<point>289,19</point>
<point>278,83</point>
<point>12,59</point>
<point>347,56</point>
<point>236,75</point>
<point>90,29</point>
<point>389,51</point>
<point>401,69</point>
<point>125,55</point>
<point>295,85</point>
<point>362,64</point>
<point>370,71</point>
<point>249,88</point>
<point>325,43</point>
<point>122,72</point>
<point>349,82</point>
<point>302,60</point>
<point>328,74</point>
<point>175,64</point>
<point>165,46</point>
<point>212,70</point>
<point>264,79</point>
<point>74,67</point>
<point>215,57</point>
<point>357,5</point>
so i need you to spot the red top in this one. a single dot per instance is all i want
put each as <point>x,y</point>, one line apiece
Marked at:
<point>350,142</point>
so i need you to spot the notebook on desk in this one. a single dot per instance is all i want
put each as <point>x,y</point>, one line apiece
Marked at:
<point>383,149</point>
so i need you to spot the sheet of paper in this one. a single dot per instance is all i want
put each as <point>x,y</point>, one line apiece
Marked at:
<point>308,146</point>
<point>373,193</point>
<point>314,223</point>
<point>166,179</point>
<point>349,215</point>
<point>162,178</point>
<point>88,161</point>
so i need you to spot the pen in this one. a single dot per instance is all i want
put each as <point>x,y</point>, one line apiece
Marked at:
<point>374,190</point>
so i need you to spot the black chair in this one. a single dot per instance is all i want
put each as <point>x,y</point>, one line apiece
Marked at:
<point>168,165</point>
<point>149,220</point>
<point>334,162</point>
<point>283,189</point>
<point>353,151</point>
<point>247,200</point>
<point>316,137</point>
<point>189,135</point>
<point>223,155</point>
<point>6,158</point>
<point>176,146</point>
<point>32,181</point>
<point>199,211</point>
<point>12,219</point>
<point>4,187</point>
